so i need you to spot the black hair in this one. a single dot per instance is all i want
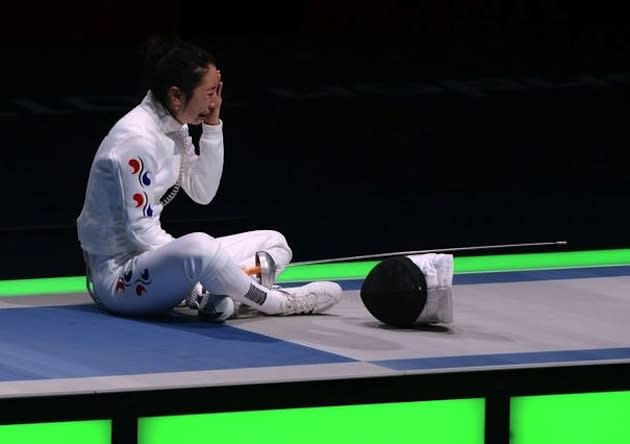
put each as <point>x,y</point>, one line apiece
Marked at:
<point>171,61</point>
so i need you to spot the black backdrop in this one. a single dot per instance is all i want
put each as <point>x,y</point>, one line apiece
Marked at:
<point>353,128</point>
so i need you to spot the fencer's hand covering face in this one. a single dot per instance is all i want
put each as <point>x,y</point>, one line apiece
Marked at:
<point>204,105</point>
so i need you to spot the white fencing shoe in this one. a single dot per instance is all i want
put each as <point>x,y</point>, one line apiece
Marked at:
<point>315,297</point>
<point>210,307</point>
<point>193,298</point>
<point>215,308</point>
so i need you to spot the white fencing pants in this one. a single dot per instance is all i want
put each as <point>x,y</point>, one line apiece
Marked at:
<point>156,281</point>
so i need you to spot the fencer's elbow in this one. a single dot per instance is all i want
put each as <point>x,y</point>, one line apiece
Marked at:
<point>204,200</point>
<point>203,196</point>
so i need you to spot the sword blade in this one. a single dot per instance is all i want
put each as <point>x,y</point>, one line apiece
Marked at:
<point>435,250</point>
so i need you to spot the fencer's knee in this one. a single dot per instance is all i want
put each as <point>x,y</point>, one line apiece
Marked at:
<point>199,244</point>
<point>278,240</point>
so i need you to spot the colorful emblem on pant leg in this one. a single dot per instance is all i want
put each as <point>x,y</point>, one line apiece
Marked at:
<point>141,283</point>
<point>144,179</point>
<point>124,281</point>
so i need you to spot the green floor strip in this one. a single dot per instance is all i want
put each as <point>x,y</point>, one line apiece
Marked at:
<point>358,270</point>
<point>42,286</point>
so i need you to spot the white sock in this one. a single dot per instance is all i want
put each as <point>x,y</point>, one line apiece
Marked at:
<point>268,301</point>
<point>223,276</point>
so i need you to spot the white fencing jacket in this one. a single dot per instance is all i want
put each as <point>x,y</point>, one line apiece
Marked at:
<point>136,164</point>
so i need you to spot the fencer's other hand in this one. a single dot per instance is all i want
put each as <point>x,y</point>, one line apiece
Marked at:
<point>215,104</point>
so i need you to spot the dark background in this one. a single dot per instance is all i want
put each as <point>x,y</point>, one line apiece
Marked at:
<point>352,127</point>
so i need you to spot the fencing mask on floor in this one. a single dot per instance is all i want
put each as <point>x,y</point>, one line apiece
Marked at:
<point>406,290</point>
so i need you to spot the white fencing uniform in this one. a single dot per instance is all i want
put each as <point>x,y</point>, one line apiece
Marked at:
<point>137,268</point>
